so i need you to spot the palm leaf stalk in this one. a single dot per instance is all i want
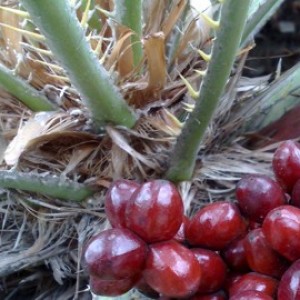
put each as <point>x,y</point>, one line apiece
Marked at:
<point>259,18</point>
<point>233,18</point>
<point>48,186</point>
<point>281,96</point>
<point>129,14</point>
<point>58,23</point>
<point>25,93</point>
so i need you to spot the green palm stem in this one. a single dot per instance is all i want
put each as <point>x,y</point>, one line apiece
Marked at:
<point>129,14</point>
<point>57,21</point>
<point>258,19</point>
<point>23,91</point>
<point>48,185</point>
<point>228,36</point>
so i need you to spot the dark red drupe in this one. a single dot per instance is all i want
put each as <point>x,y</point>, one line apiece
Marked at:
<point>257,195</point>
<point>155,211</point>
<point>254,281</point>
<point>281,228</point>
<point>172,269</point>
<point>115,254</point>
<point>251,295</point>
<point>295,196</point>
<point>111,288</point>
<point>213,268</point>
<point>289,285</point>
<point>261,257</point>
<point>235,256</point>
<point>116,200</point>
<point>286,164</point>
<point>215,226</point>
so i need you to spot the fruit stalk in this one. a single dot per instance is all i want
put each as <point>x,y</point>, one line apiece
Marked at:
<point>57,21</point>
<point>233,18</point>
<point>23,91</point>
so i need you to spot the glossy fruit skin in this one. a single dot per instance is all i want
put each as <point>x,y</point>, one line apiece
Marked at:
<point>116,200</point>
<point>281,228</point>
<point>295,196</point>
<point>155,211</point>
<point>111,288</point>
<point>172,269</point>
<point>289,285</point>
<point>261,257</point>
<point>143,287</point>
<point>251,295</point>
<point>235,256</point>
<point>254,281</point>
<point>220,295</point>
<point>115,254</point>
<point>286,164</point>
<point>180,235</point>
<point>213,268</point>
<point>257,195</point>
<point>215,226</point>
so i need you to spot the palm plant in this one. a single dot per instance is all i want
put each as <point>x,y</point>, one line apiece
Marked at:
<point>96,90</point>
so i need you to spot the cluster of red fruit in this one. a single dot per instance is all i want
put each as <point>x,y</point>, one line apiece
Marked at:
<point>248,250</point>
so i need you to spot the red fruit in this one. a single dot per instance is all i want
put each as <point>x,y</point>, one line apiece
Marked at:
<point>111,288</point>
<point>215,226</point>
<point>172,270</point>
<point>261,257</point>
<point>231,279</point>
<point>251,295</point>
<point>155,211</point>
<point>257,195</point>
<point>286,164</point>
<point>281,228</point>
<point>180,235</point>
<point>220,295</point>
<point>253,225</point>
<point>213,268</point>
<point>289,285</point>
<point>295,196</point>
<point>115,254</point>
<point>254,281</point>
<point>116,200</point>
<point>235,256</point>
<point>144,288</point>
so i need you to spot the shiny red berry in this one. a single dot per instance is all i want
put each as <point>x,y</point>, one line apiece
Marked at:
<point>213,268</point>
<point>261,257</point>
<point>220,295</point>
<point>180,235</point>
<point>144,288</point>
<point>111,288</point>
<point>235,256</point>
<point>295,196</point>
<point>116,200</point>
<point>254,281</point>
<point>281,228</point>
<point>155,211</point>
<point>115,254</point>
<point>215,226</point>
<point>286,164</point>
<point>257,195</point>
<point>289,285</point>
<point>172,269</point>
<point>251,295</point>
